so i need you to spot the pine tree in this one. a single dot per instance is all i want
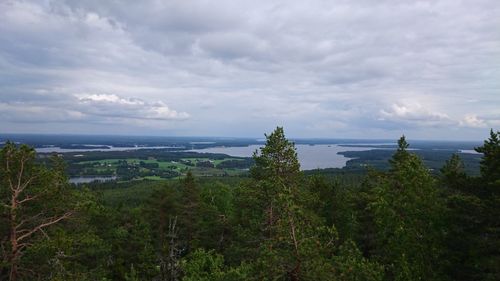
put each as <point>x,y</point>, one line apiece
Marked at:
<point>407,211</point>
<point>401,156</point>
<point>189,211</point>
<point>33,199</point>
<point>276,172</point>
<point>161,212</point>
<point>295,245</point>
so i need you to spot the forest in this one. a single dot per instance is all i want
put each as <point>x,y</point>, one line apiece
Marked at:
<point>407,222</point>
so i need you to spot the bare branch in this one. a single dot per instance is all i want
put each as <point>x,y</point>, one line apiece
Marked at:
<point>45,233</point>
<point>28,220</point>
<point>24,185</point>
<point>22,246</point>
<point>28,198</point>
<point>46,224</point>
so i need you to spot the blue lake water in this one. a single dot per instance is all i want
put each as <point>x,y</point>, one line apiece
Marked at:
<point>88,179</point>
<point>469,151</point>
<point>57,149</point>
<point>310,156</point>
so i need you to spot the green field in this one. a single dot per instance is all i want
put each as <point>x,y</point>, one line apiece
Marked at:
<point>140,166</point>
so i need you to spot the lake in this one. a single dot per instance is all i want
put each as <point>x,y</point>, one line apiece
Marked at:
<point>311,157</point>
<point>79,180</point>
<point>318,156</point>
<point>57,149</point>
<point>469,151</point>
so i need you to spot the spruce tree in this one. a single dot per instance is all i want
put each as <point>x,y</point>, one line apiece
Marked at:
<point>490,162</point>
<point>488,189</point>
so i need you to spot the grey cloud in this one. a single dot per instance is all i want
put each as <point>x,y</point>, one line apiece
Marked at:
<point>338,66</point>
<point>25,113</point>
<point>95,108</point>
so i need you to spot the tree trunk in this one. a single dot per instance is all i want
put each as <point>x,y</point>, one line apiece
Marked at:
<point>14,247</point>
<point>270,225</point>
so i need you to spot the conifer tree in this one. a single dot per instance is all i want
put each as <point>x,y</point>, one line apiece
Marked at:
<point>295,245</point>
<point>407,212</point>
<point>33,199</point>
<point>472,219</point>
<point>453,173</point>
<point>490,162</point>
<point>189,211</point>
<point>488,190</point>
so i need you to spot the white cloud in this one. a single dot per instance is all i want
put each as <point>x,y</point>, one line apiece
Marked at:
<point>416,114</point>
<point>471,120</point>
<point>127,108</point>
<point>103,98</point>
<point>96,108</point>
<point>475,121</point>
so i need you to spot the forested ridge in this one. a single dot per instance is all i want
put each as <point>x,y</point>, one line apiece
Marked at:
<point>277,224</point>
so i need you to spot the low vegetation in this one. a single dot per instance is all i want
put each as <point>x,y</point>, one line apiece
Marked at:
<point>136,165</point>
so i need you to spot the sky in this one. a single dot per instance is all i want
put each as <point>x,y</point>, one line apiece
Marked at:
<point>325,69</point>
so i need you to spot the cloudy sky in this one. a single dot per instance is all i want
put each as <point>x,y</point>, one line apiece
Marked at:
<point>343,68</point>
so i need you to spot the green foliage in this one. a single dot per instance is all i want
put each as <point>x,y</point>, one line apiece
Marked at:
<point>490,163</point>
<point>158,210</point>
<point>487,188</point>
<point>216,209</point>
<point>132,276</point>
<point>351,265</point>
<point>204,265</point>
<point>407,212</point>
<point>190,210</point>
<point>34,199</point>
<point>277,159</point>
<point>453,173</point>
<point>401,156</point>
<point>293,241</point>
<point>400,224</point>
<point>289,232</point>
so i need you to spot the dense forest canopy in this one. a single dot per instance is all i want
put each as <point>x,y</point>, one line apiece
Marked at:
<point>278,223</point>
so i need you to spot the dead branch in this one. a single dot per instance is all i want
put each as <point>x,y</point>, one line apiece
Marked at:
<point>50,222</point>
